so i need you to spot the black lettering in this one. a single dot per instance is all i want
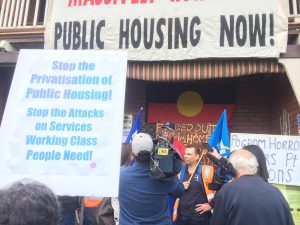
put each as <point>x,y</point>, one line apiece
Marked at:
<point>195,34</point>
<point>136,29</point>
<point>273,156</point>
<point>67,35</point>
<point>241,30</point>
<point>272,143</point>
<point>161,22</point>
<point>170,33</point>
<point>271,29</point>
<point>124,34</point>
<point>289,179</point>
<point>84,44</point>
<point>76,35</point>
<point>92,34</point>
<point>100,43</point>
<point>256,30</point>
<point>272,175</point>
<point>228,31</point>
<point>270,159</point>
<point>148,43</point>
<point>181,33</point>
<point>283,147</point>
<point>290,145</point>
<point>280,176</point>
<point>57,33</point>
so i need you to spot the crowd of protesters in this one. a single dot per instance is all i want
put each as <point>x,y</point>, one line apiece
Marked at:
<point>246,199</point>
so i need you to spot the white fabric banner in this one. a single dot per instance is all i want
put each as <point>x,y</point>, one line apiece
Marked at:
<point>168,29</point>
<point>63,121</point>
<point>282,154</point>
<point>292,68</point>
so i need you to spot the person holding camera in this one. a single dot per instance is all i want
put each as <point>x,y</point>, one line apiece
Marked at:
<point>249,199</point>
<point>224,164</point>
<point>143,200</point>
<point>168,132</point>
<point>194,206</point>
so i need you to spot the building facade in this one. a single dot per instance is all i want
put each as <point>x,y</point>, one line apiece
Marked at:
<point>263,95</point>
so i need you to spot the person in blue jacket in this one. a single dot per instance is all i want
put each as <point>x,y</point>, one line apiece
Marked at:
<point>249,199</point>
<point>143,200</point>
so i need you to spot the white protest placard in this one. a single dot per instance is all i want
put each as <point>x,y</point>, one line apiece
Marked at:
<point>170,30</point>
<point>282,154</point>
<point>63,121</point>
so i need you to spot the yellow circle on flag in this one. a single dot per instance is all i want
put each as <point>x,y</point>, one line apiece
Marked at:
<point>189,103</point>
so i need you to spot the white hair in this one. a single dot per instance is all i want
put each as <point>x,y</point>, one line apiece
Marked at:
<point>244,162</point>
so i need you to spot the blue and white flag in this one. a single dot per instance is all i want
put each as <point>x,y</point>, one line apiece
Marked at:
<point>219,138</point>
<point>136,127</point>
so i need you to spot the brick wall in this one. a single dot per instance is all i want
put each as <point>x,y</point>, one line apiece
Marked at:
<point>283,107</point>
<point>135,97</point>
<point>261,101</point>
<point>251,114</point>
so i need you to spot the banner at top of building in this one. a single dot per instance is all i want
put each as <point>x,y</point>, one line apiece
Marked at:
<point>169,29</point>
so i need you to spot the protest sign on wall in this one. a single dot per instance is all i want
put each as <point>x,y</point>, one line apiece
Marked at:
<point>190,133</point>
<point>63,121</point>
<point>170,30</point>
<point>282,154</point>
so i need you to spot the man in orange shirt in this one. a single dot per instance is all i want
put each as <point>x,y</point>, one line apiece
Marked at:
<point>90,206</point>
<point>194,206</point>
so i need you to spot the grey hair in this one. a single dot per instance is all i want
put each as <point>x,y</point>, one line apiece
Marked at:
<point>28,204</point>
<point>244,162</point>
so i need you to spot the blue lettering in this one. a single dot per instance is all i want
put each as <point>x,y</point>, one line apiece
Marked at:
<point>80,156</point>
<point>43,156</point>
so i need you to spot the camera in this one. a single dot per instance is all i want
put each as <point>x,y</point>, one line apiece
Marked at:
<point>225,170</point>
<point>165,160</point>
<point>222,177</point>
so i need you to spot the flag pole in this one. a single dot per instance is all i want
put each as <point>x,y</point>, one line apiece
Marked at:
<point>203,151</point>
<point>135,126</point>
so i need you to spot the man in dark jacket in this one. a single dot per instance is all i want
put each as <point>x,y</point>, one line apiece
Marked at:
<point>249,199</point>
<point>143,200</point>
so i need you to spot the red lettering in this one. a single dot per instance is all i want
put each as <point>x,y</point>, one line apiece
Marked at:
<point>72,3</point>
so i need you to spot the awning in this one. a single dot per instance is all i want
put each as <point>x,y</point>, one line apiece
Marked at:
<point>200,70</point>
<point>186,70</point>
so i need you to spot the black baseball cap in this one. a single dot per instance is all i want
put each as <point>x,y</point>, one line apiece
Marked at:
<point>169,125</point>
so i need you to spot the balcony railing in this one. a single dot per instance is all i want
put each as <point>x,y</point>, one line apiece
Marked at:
<point>16,14</point>
<point>294,7</point>
<point>22,13</point>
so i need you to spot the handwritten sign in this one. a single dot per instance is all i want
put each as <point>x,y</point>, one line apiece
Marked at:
<point>191,134</point>
<point>63,121</point>
<point>282,154</point>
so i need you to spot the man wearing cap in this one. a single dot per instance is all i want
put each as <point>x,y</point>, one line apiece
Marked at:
<point>143,200</point>
<point>168,132</point>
